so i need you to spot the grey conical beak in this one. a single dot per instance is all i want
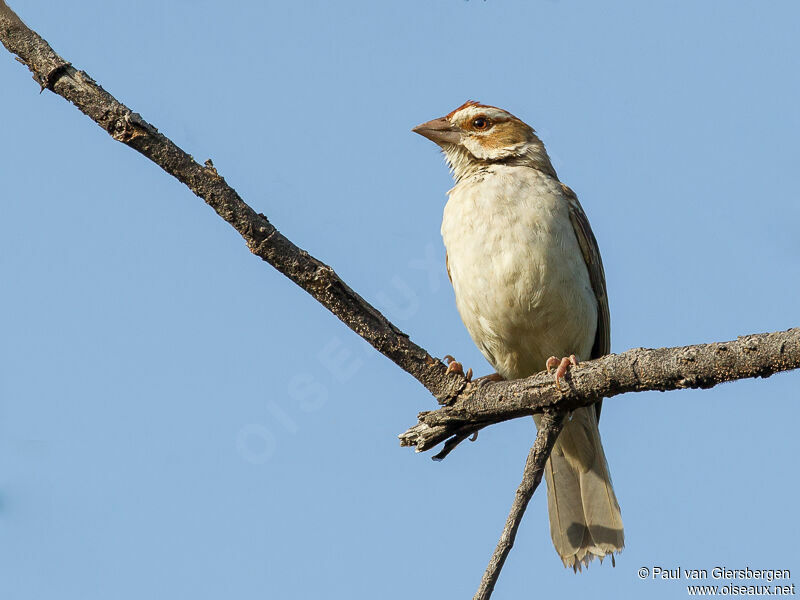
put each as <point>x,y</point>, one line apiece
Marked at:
<point>440,131</point>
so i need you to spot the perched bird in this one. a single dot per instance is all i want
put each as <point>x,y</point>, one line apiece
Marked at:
<point>530,287</point>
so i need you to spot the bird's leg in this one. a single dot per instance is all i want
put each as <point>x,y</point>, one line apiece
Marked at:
<point>561,366</point>
<point>453,366</point>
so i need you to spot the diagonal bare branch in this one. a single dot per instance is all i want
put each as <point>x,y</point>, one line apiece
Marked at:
<point>52,72</point>
<point>549,428</point>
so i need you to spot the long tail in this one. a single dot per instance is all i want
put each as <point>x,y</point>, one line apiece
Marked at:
<point>585,520</point>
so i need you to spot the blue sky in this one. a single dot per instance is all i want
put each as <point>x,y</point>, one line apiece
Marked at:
<point>178,420</point>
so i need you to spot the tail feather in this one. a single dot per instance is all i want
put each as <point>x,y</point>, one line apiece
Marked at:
<point>585,519</point>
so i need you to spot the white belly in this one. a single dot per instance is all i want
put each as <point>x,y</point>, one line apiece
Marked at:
<point>521,284</point>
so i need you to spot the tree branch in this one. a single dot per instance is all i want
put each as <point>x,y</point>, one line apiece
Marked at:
<point>637,370</point>
<point>549,428</point>
<point>263,239</point>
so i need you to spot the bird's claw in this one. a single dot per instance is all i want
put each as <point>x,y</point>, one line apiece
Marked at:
<point>561,365</point>
<point>453,366</point>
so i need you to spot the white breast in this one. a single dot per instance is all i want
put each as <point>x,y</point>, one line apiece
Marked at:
<point>521,284</point>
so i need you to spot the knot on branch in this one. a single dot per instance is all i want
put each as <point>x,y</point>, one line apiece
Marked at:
<point>48,81</point>
<point>128,127</point>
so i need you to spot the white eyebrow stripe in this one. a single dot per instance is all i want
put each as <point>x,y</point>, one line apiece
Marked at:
<point>492,113</point>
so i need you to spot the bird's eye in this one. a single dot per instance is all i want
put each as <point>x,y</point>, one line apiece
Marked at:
<point>480,123</point>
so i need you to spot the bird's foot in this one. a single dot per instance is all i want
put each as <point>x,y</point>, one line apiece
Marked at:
<point>453,366</point>
<point>561,365</point>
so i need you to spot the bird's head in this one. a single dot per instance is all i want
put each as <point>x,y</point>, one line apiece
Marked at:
<point>475,136</point>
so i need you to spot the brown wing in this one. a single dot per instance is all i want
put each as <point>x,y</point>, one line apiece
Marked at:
<point>591,255</point>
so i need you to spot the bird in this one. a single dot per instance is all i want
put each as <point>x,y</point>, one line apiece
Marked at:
<point>530,288</point>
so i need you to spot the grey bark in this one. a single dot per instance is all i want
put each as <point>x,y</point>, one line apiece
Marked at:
<point>549,428</point>
<point>263,239</point>
<point>637,370</point>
